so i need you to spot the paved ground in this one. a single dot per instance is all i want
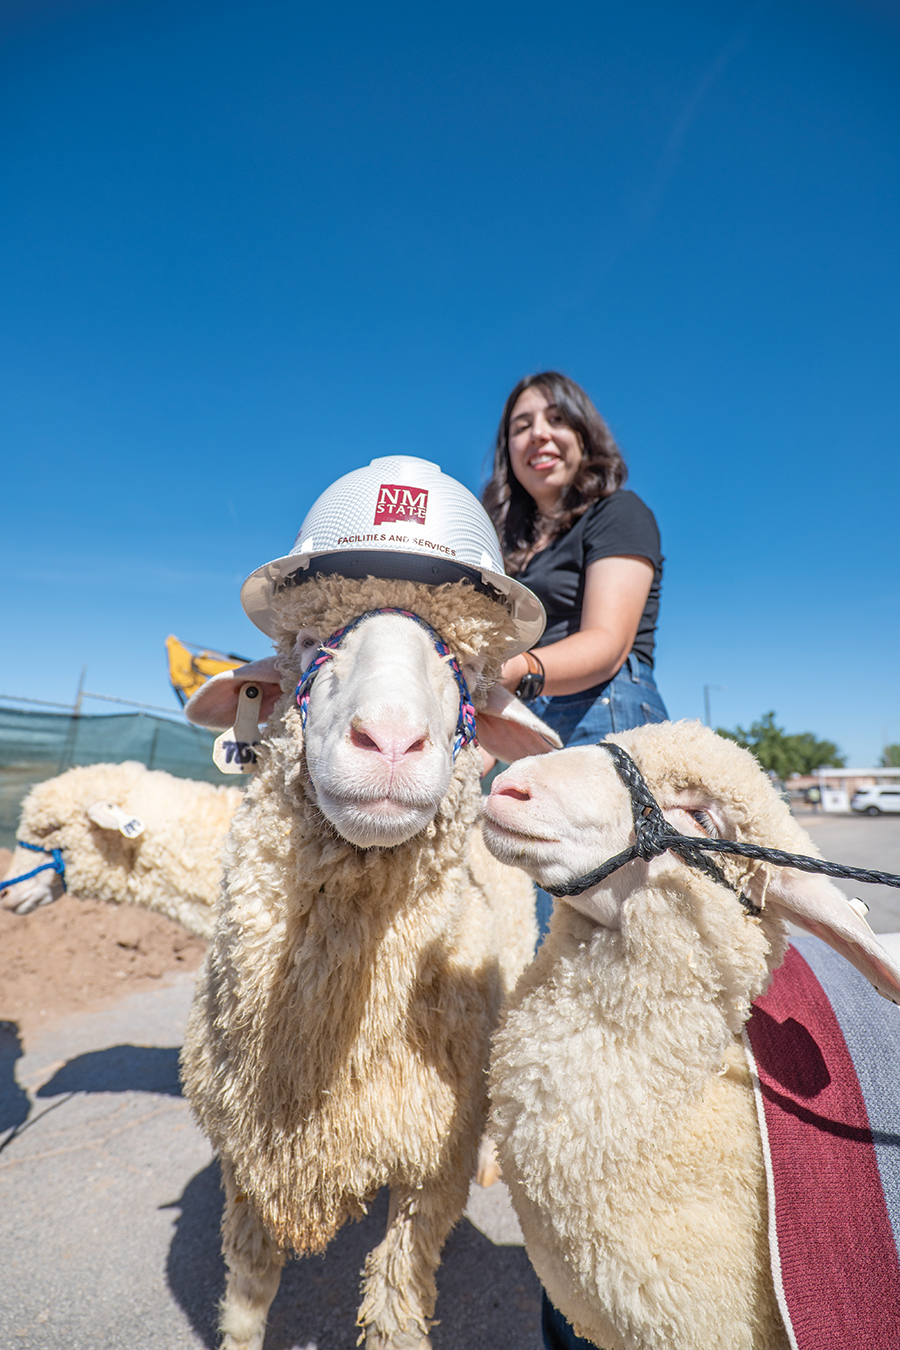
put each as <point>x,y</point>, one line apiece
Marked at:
<point>110,1207</point>
<point>100,1187</point>
<point>110,1203</point>
<point>862,841</point>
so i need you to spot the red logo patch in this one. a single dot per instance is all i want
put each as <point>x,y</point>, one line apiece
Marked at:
<point>398,502</point>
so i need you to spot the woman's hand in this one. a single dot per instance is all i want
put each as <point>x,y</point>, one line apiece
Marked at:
<point>615,593</point>
<point>513,671</point>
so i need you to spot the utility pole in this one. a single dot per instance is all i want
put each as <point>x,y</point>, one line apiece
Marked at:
<point>706,689</point>
<point>68,753</point>
<point>76,711</point>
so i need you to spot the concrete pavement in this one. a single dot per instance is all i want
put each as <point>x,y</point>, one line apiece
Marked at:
<point>110,1208</point>
<point>862,841</point>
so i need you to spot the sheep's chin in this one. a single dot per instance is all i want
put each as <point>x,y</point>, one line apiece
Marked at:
<point>542,860</point>
<point>379,823</point>
<point>600,905</point>
<point>538,857</point>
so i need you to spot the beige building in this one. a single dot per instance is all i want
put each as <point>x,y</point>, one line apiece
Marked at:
<point>837,786</point>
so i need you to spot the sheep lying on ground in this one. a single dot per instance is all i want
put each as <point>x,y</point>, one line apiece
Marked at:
<point>127,835</point>
<point>623,1109</point>
<point>340,1033</point>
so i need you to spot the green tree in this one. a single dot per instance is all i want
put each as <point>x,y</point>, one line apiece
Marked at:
<point>782,753</point>
<point>891,757</point>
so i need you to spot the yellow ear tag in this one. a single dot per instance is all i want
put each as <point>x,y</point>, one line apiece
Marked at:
<point>235,750</point>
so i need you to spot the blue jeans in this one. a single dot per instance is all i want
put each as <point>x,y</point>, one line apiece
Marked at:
<point>629,699</point>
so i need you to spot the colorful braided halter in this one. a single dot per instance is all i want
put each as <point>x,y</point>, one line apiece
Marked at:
<point>465,725</point>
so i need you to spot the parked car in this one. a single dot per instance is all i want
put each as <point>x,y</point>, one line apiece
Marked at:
<point>872,801</point>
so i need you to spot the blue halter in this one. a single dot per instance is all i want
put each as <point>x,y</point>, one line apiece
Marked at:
<point>57,865</point>
<point>465,725</point>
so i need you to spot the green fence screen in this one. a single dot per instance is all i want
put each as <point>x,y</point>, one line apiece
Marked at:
<point>38,745</point>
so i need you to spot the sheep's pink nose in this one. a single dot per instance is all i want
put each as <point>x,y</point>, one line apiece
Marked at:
<point>391,742</point>
<point>510,790</point>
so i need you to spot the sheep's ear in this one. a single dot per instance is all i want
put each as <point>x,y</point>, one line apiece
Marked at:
<point>510,731</point>
<point>815,903</point>
<point>111,817</point>
<point>215,703</point>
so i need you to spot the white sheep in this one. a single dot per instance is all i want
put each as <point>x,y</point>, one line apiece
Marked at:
<point>622,1104</point>
<point>339,1038</point>
<point>126,835</point>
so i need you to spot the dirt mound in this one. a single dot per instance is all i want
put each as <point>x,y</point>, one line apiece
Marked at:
<point>79,955</point>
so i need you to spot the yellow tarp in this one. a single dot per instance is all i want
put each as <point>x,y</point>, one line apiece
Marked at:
<point>190,667</point>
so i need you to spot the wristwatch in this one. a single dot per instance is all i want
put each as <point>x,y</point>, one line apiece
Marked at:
<point>531,684</point>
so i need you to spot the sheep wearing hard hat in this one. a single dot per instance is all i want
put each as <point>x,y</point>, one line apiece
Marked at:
<point>365,938</point>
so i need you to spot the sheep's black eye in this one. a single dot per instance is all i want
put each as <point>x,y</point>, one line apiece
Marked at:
<point>705,821</point>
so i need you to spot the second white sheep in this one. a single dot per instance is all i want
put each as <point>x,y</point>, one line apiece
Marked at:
<point>127,835</point>
<point>623,1106</point>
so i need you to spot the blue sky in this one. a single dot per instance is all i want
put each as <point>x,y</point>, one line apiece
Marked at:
<point>248,247</point>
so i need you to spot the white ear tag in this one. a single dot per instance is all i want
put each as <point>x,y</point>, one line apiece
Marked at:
<point>234,751</point>
<point>111,817</point>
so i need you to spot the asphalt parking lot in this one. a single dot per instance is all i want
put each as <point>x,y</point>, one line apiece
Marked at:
<point>110,1201</point>
<point>862,841</point>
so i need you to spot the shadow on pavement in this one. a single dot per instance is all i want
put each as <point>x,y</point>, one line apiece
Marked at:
<point>195,1271</point>
<point>488,1294</point>
<point>119,1068</point>
<point>14,1104</point>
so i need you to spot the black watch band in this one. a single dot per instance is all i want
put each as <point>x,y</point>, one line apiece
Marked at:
<point>531,684</point>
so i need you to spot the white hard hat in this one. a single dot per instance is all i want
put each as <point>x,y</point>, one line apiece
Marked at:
<point>400,517</point>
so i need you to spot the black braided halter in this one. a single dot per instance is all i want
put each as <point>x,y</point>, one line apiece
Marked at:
<point>654,835</point>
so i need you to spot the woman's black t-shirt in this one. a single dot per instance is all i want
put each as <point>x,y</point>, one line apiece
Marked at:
<point>613,526</point>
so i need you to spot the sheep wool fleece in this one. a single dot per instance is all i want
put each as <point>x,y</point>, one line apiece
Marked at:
<point>622,1103</point>
<point>340,1032</point>
<point>174,867</point>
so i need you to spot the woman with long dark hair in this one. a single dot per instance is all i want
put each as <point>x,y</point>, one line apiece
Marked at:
<point>590,551</point>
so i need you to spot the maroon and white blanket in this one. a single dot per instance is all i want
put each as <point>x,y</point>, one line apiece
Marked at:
<point>824,1049</point>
